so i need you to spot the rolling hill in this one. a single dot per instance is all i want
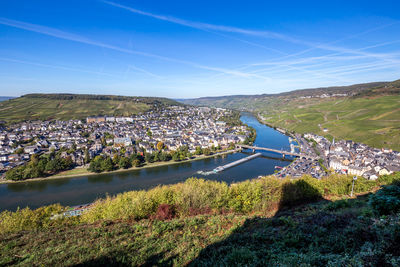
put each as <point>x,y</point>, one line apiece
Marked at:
<point>368,113</point>
<point>75,106</point>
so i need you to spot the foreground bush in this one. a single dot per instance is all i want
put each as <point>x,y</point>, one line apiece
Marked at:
<point>386,201</point>
<point>339,233</point>
<point>199,196</point>
<point>27,219</point>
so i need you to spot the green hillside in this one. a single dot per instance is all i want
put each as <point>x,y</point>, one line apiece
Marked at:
<point>372,120</point>
<point>207,223</point>
<point>369,114</point>
<point>70,106</point>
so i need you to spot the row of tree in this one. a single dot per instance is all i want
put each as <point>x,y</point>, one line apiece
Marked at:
<point>40,166</point>
<point>103,163</point>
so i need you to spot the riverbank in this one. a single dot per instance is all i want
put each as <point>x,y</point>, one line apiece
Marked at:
<point>70,190</point>
<point>80,172</point>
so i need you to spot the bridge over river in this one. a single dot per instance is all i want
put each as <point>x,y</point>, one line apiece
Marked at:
<point>282,152</point>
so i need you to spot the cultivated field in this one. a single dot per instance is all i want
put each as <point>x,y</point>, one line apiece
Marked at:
<point>371,120</point>
<point>43,108</point>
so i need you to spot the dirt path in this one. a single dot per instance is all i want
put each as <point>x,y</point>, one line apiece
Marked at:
<point>384,114</point>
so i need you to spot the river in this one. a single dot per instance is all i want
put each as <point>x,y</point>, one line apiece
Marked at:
<point>86,189</point>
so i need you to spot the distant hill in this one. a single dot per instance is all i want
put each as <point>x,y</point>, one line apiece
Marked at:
<point>368,113</point>
<point>242,102</point>
<point>4,98</point>
<point>75,106</point>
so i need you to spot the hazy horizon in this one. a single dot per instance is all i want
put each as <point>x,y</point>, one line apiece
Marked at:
<point>184,50</point>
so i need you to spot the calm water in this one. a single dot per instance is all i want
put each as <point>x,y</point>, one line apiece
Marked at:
<point>85,189</point>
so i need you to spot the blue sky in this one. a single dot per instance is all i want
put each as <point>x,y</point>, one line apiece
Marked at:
<point>185,49</point>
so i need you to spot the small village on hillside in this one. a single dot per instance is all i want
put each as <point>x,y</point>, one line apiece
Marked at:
<point>168,128</point>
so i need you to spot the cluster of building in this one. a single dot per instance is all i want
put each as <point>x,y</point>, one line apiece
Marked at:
<point>319,156</point>
<point>173,126</point>
<point>306,164</point>
<point>324,96</point>
<point>354,158</point>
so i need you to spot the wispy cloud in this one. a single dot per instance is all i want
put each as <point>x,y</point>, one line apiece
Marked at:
<point>216,29</point>
<point>256,33</point>
<point>81,39</point>
<point>56,67</point>
<point>225,30</point>
<point>132,67</point>
<point>201,25</point>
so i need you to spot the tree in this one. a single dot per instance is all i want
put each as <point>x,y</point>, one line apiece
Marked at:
<point>207,151</point>
<point>15,174</point>
<point>67,163</point>
<point>51,166</point>
<point>160,145</point>
<point>136,163</point>
<point>176,157</point>
<point>198,151</point>
<point>116,159</point>
<point>19,151</point>
<point>124,163</point>
<point>87,156</point>
<point>157,156</point>
<point>149,157</point>
<point>107,164</point>
<point>95,164</point>
<point>165,156</point>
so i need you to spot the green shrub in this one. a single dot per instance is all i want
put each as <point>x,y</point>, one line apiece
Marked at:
<point>386,200</point>
<point>240,257</point>
<point>246,196</point>
<point>196,196</point>
<point>27,219</point>
<point>339,204</point>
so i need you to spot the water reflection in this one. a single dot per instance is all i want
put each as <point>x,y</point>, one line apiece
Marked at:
<point>39,186</point>
<point>100,179</point>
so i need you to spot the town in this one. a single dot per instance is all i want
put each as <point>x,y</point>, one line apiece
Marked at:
<point>168,128</point>
<point>341,156</point>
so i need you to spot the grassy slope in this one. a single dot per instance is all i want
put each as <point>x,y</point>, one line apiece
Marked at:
<point>321,233</point>
<point>341,233</point>
<point>32,108</point>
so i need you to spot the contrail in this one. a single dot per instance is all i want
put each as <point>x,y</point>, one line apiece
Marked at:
<point>56,67</point>
<point>265,34</point>
<point>201,25</point>
<point>144,71</point>
<point>215,29</point>
<point>256,33</point>
<point>80,39</point>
